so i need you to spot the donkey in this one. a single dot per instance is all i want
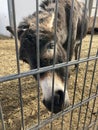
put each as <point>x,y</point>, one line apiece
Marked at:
<point>27,36</point>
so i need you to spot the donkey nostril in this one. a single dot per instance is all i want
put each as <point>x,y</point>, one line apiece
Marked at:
<point>55,104</point>
<point>59,98</point>
<point>56,99</point>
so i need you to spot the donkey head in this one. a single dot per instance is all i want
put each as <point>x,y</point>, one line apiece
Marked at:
<point>28,53</point>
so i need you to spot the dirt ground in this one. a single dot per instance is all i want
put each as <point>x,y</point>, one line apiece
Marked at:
<point>9,91</point>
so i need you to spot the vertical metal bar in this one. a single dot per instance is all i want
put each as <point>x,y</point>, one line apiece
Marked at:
<point>65,87</point>
<point>37,31</point>
<point>18,66</point>
<point>69,42</point>
<point>70,29</point>
<point>90,7</point>
<point>2,118</point>
<point>93,74</point>
<point>68,49</point>
<point>77,68</point>
<point>82,27</point>
<point>82,94</point>
<point>75,84</point>
<point>96,120</point>
<point>97,50</point>
<point>54,58</point>
<point>10,13</point>
<point>93,104</point>
<point>38,56</point>
<point>92,33</point>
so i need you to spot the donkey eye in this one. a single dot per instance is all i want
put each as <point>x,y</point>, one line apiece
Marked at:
<point>51,45</point>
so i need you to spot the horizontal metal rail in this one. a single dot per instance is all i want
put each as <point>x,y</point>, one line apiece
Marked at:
<point>49,120</point>
<point>92,124</point>
<point>44,69</point>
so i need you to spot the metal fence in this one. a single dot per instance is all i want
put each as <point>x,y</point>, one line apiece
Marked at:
<point>82,106</point>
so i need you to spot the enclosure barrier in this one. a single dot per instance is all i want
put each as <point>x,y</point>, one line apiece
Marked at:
<point>92,123</point>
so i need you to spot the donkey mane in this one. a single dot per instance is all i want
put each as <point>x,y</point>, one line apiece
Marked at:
<point>45,5</point>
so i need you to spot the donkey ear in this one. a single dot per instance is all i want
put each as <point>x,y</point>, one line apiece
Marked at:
<point>50,21</point>
<point>19,31</point>
<point>10,29</point>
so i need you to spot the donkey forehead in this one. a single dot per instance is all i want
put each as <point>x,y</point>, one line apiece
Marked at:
<point>46,21</point>
<point>30,35</point>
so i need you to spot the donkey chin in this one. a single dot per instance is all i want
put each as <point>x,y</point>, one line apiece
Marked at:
<point>54,97</point>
